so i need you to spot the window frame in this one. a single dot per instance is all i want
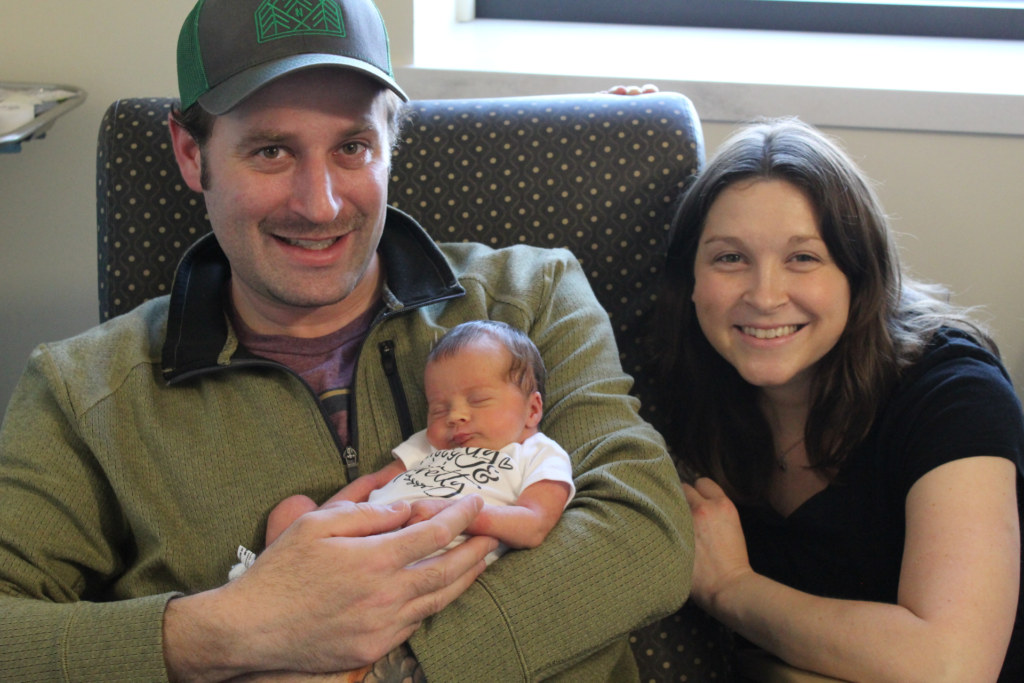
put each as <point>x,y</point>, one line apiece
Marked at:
<point>987,22</point>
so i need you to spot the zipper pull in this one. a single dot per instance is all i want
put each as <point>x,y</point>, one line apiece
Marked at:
<point>351,459</point>
<point>387,357</point>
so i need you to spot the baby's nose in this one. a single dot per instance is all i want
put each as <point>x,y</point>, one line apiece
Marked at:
<point>458,414</point>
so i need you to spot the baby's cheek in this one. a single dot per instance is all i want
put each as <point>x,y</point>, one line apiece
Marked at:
<point>437,434</point>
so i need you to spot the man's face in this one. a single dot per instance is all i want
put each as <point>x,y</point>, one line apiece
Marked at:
<point>296,190</point>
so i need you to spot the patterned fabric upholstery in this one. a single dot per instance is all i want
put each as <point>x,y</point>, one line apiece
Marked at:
<point>595,174</point>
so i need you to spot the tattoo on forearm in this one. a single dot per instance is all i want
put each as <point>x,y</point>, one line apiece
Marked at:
<point>398,666</point>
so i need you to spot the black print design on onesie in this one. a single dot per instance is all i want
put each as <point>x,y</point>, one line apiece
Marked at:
<point>448,473</point>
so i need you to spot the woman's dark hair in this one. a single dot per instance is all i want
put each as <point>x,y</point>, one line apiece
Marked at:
<point>715,424</point>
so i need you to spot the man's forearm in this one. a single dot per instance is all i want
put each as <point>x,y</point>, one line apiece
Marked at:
<point>196,641</point>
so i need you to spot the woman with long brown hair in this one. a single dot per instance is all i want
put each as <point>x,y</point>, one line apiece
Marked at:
<point>855,440</point>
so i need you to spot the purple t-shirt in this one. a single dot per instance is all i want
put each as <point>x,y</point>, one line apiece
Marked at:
<point>326,363</point>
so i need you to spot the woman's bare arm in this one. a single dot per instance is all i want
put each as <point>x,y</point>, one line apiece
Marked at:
<point>957,593</point>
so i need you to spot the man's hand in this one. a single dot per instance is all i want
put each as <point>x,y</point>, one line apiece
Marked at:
<point>427,508</point>
<point>290,509</point>
<point>335,592</point>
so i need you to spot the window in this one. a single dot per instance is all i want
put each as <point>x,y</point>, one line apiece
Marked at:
<point>1000,19</point>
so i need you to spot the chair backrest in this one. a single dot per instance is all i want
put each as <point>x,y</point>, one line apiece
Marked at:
<point>596,174</point>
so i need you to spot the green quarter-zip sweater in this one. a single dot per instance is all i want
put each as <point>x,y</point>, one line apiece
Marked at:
<point>136,457</point>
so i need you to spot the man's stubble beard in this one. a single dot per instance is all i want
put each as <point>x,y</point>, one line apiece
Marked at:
<point>291,293</point>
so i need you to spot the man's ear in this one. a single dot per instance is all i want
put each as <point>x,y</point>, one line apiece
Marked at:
<point>534,409</point>
<point>187,154</point>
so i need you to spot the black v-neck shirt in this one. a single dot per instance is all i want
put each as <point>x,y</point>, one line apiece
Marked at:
<point>846,541</point>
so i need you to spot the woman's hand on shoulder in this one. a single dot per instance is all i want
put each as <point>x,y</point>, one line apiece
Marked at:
<point>721,560</point>
<point>645,89</point>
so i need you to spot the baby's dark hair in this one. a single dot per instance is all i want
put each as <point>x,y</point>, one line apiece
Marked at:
<point>526,369</point>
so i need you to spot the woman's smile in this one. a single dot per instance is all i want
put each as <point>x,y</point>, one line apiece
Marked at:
<point>769,332</point>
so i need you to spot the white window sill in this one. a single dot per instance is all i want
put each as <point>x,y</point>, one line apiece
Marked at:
<point>901,83</point>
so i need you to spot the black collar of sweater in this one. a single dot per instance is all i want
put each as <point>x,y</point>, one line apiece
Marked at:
<point>197,328</point>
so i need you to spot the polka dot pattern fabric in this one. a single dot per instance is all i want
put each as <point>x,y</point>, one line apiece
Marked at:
<point>146,215</point>
<point>686,647</point>
<point>595,174</point>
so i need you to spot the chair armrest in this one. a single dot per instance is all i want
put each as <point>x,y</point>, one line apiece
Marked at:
<point>757,666</point>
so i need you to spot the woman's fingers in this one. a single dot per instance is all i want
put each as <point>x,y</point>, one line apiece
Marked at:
<point>645,89</point>
<point>709,489</point>
<point>693,497</point>
<point>703,490</point>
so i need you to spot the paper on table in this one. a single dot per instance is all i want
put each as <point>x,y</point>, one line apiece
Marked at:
<point>16,109</point>
<point>21,106</point>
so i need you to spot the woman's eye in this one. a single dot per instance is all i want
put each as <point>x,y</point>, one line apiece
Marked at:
<point>729,258</point>
<point>806,258</point>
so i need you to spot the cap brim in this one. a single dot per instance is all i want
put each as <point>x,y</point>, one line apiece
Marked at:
<point>229,94</point>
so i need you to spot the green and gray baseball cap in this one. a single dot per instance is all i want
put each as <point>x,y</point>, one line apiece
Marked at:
<point>229,49</point>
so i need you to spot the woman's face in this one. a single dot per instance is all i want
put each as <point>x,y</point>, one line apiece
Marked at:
<point>768,295</point>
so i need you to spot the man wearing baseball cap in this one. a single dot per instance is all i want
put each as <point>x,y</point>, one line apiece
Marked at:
<point>288,359</point>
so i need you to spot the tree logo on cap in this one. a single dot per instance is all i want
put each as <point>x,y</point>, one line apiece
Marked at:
<point>282,18</point>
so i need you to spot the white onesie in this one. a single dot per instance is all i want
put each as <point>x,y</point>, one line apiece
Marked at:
<point>497,476</point>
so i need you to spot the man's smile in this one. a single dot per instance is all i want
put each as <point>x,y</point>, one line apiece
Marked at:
<point>315,245</point>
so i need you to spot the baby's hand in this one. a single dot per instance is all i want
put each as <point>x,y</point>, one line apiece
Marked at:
<point>286,512</point>
<point>357,492</point>
<point>289,509</point>
<point>422,510</point>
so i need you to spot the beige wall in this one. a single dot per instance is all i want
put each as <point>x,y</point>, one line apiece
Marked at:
<point>956,197</point>
<point>110,48</point>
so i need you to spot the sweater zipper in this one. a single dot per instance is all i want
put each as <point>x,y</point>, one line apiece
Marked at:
<point>349,454</point>
<point>390,364</point>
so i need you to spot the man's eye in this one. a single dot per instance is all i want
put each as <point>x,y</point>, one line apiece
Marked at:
<point>352,148</point>
<point>270,152</point>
